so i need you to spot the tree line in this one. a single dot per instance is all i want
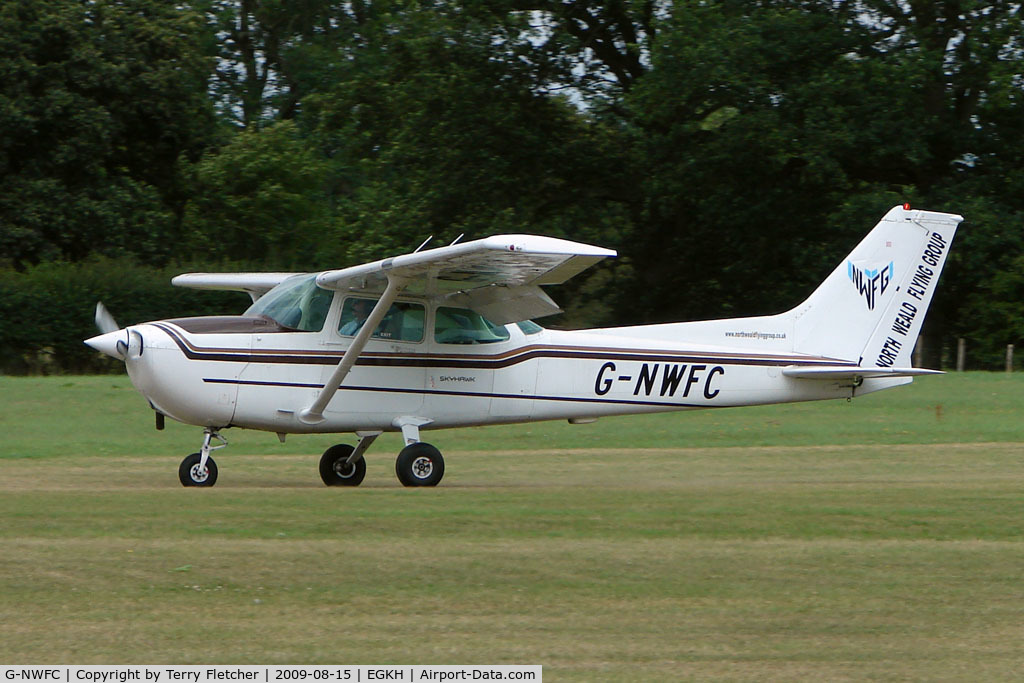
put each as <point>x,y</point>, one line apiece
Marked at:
<point>732,151</point>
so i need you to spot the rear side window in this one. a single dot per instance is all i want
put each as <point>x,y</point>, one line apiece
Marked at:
<point>463,326</point>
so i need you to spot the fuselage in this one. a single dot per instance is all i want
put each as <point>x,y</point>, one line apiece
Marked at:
<point>252,372</point>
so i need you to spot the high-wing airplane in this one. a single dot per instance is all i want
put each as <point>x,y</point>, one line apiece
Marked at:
<point>444,338</point>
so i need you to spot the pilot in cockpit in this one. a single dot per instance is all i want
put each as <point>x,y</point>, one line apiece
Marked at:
<point>355,315</point>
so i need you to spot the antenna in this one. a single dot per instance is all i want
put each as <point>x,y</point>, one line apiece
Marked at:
<point>424,243</point>
<point>457,239</point>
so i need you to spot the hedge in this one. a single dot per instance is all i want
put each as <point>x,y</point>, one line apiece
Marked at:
<point>47,312</point>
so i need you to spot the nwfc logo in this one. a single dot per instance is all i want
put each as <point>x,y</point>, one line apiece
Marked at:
<point>870,283</point>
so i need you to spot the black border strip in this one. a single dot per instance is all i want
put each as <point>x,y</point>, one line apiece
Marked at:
<point>485,363</point>
<point>442,392</point>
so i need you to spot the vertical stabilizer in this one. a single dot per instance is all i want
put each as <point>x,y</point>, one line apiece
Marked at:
<point>870,309</point>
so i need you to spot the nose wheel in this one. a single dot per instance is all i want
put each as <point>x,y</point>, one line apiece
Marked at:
<point>199,469</point>
<point>192,473</point>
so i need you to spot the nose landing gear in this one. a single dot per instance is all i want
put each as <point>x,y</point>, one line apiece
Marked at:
<point>199,469</point>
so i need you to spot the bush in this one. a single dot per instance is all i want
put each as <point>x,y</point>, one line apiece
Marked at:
<point>47,312</point>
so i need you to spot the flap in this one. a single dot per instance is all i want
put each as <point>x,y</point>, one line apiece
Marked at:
<point>503,305</point>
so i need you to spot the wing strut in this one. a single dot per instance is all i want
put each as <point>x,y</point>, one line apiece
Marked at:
<point>314,414</point>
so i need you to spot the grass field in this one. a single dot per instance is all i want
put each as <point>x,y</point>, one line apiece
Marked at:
<point>879,539</point>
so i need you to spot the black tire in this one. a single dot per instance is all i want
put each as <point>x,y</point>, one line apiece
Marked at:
<point>335,472</point>
<point>419,464</point>
<point>189,474</point>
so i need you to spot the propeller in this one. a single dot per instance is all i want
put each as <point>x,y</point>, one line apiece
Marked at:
<point>109,342</point>
<point>104,321</point>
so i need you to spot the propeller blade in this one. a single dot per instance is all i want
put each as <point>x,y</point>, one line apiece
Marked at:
<point>104,321</point>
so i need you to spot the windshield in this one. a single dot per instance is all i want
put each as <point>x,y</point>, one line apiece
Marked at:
<point>296,303</point>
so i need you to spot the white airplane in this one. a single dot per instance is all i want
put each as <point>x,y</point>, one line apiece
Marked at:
<point>443,338</point>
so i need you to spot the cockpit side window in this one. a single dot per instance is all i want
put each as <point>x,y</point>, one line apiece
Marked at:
<point>297,304</point>
<point>402,322</point>
<point>529,327</point>
<point>464,326</point>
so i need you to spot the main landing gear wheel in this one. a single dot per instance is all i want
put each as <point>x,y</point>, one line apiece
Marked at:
<point>336,471</point>
<point>419,464</point>
<point>191,475</point>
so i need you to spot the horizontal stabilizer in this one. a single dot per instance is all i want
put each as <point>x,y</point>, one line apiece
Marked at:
<point>255,284</point>
<point>852,372</point>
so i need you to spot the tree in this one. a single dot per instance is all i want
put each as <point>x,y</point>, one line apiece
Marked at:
<point>98,102</point>
<point>268,51</point>
<point>962,62</point>
<point>437,129</point>
<point>735,200</point>
<point>261,199</point>
<point>776,132</point>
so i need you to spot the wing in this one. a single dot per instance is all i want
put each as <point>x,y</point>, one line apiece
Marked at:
<point>255,284</point>
<point>499,276</point>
